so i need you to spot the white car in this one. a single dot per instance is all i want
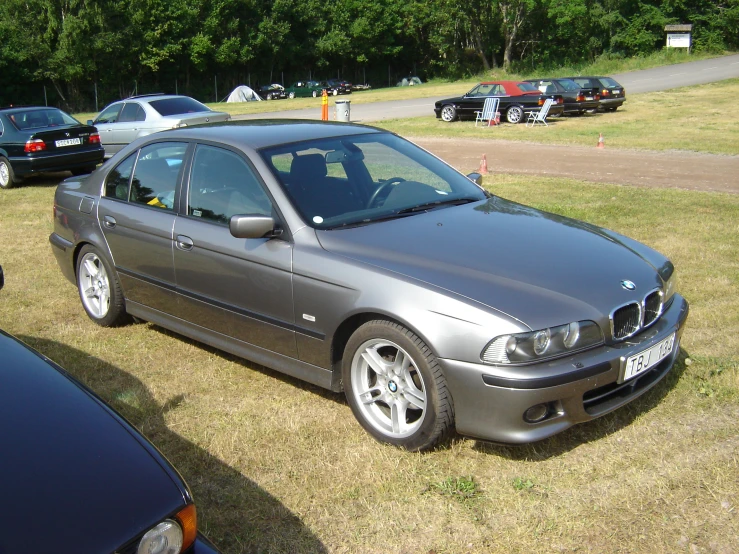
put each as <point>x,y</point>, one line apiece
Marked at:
<point>126,120</point>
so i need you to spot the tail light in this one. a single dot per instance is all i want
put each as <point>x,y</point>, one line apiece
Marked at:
<point>597,96</point>
<point>606,92</point>
<point>541,100</point>
<point>94,138</point>
<point>581,97</point>
<point>34,145</point>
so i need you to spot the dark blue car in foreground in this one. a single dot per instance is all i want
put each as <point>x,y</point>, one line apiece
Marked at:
<point>77,477</point>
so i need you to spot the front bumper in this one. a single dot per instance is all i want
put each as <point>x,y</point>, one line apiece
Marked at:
<point>489,401</point>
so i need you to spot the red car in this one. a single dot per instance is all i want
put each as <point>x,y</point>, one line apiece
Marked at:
<point>517,100</point>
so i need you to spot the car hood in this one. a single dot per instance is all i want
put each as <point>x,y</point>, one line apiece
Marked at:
<point>539,268</point>
<point>75,476</point>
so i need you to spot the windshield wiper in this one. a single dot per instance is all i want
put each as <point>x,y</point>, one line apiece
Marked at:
<point>432,205</point>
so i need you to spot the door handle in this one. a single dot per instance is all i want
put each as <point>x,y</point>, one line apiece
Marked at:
<point>109,221</point>
<point>184,243</point>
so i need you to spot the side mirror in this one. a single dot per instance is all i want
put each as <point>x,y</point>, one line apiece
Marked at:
<point>89,121</point>
<point>475,178</point>
<point>253,227</point>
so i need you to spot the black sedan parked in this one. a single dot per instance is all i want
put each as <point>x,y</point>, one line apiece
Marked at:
<point>517,100</point>
<point>272,92</point>
<point>76,476</point>
<point>612,94</point>
<point>340,86</point>
<point>577,101</point>
<point>40,139</point>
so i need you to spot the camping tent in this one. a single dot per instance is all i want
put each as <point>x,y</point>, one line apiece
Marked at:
<point>242,93</point>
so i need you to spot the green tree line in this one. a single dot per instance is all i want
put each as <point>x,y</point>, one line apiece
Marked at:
<point>80,53</point>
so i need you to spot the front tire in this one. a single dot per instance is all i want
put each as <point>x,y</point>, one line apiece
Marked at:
<point>291,95</point>
<point>7,176</point>
<point>315,94</point>
<point>514,114</point>
<point>100,291</point>
<point>448,113</point>
<point>395,386</point>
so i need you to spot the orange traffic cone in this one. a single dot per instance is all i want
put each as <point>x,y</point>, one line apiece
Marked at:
<point>601,142</point>
<point>483,165</point>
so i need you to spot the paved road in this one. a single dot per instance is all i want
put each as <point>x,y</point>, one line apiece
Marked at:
<point>647,80</point>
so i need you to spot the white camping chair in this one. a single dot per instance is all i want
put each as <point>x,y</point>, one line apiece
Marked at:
<point>541,115</point>
<point>489,111</point>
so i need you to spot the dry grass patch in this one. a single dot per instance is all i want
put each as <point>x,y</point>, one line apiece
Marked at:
<point>277,465</point>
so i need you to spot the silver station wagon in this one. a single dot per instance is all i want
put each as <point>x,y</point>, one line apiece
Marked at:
<point>346,256</point>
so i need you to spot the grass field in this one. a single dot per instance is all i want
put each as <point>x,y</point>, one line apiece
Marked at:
<point>280,466</point>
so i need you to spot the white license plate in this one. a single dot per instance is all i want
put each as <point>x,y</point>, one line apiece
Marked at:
<point>68,142</point>
<point>641,362</point>
<point>588,98</point>
<point>617,91</point>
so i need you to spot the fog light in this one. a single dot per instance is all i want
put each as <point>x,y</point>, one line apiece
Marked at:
<point>537,413</point>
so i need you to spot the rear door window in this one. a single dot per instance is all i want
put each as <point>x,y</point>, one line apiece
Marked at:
<point>157,173</point>
<point>132,111</point>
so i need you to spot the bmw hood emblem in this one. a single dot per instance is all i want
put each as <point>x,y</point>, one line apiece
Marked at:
<point>628,285</point>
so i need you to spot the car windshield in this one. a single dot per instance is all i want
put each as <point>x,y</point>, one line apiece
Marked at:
<point>41,118</point>
<point>358,180</point>
<point>177,106</point>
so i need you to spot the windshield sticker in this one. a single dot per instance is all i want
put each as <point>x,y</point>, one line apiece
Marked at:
<point>318,220</point>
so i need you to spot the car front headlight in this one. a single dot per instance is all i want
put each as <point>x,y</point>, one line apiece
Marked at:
<point>534,346</point>
<point>171,536</point>
<point>670,287</point>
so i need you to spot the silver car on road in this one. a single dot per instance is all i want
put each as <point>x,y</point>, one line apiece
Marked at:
<point>346,256</point>
<point>122,122</point>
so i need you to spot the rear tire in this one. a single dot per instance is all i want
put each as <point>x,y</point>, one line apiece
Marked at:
<point>514,114</point>
<point>100,291</point>
<point>7,176</point>
<point>291,95</point>
<point>395,386</point>
<point>315,94</point>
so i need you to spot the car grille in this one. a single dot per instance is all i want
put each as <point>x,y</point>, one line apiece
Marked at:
<point>628,320</point>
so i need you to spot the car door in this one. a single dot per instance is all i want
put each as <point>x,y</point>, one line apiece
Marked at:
<point>130,120</point>
<point>241,288</point>
<point>137,217</point>
<point>107,125</point>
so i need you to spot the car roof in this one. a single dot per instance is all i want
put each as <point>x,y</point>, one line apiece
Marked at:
<point>16,109</point>
<point>147,97</point>
<point>263,133</point>
<point>501,82</point>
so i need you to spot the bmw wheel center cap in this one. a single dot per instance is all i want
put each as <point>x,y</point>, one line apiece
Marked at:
<point>392,386</point>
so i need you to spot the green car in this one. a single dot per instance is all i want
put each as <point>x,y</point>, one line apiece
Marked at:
<point>305,88</point>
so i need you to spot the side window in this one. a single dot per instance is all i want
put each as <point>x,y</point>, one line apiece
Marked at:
<point>222,185</point>
<point>140,114</point>
<point>129,112</point>
<point>109,114</point>
<point>156,174</point>
<point>116,185</point>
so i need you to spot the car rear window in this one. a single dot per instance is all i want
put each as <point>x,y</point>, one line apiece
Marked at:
<point>527,87</point>
<point>177,106</point>
<point>41,118</point>
<point>610,83</point>
<point>569,84</point>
